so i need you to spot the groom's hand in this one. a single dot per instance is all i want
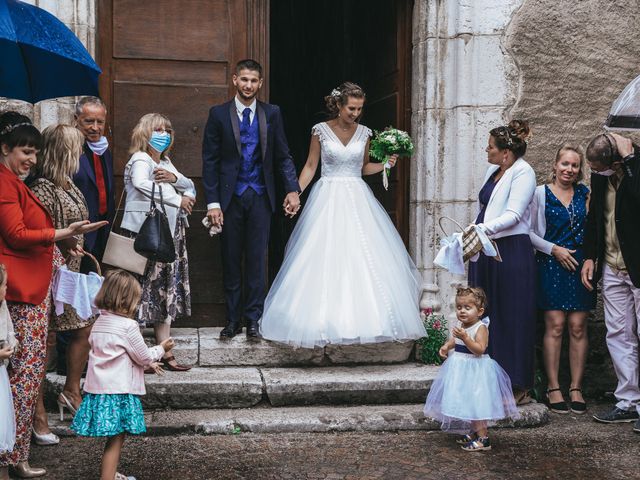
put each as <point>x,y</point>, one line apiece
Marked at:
<point>215,217</point>
<point>291,204</point>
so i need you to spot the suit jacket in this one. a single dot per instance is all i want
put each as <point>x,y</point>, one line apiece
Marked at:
<point>508,210</point>
<point>85,180</point>
<point>222,153</point>
<point>26,240</point>
<point>626,216</point>
<point>118,356</point>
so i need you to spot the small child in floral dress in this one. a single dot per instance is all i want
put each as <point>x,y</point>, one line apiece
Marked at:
<point>115,374</point>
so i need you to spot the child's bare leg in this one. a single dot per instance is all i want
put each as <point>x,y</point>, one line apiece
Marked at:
<point>480,428</point>
<point>111,457</point>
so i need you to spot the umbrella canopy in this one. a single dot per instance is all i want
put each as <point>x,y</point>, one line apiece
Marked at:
<point>40,57</point>
<point>625,111</point>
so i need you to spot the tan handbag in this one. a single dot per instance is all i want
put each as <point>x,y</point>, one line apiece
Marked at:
<point>471,243</point>
<point>119,251</point>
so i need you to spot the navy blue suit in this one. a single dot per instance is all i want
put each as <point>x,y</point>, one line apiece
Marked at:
<point>247,217</point>
<point>85,180</point>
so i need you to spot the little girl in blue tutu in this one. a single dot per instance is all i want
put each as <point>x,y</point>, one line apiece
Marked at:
<point>115,373</point>
<point>471,391</point>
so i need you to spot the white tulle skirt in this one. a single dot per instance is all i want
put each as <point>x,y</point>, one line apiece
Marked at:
<point>346,277</point>
<point>470,388</point>
<point>8,418</point>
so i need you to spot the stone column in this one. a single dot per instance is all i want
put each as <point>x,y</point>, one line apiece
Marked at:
<point>464,82</point>
<point>80,17</point>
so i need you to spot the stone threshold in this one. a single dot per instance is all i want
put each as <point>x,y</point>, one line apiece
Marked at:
<point>244,387</point>
<point>203,347</point>
<point>317,419</point>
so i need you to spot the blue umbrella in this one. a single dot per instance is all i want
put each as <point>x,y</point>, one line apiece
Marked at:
<point>40,57</point>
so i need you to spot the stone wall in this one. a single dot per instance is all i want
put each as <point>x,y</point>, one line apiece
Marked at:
<point>573,59</point>
<point>80,17</point>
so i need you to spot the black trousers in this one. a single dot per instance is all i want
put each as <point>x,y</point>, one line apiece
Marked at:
<point>245,235</point>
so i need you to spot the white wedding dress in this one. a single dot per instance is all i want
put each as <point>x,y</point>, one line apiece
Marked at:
<point>346,277</point>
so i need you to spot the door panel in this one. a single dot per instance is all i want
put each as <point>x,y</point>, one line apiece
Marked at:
<point>176,58</point>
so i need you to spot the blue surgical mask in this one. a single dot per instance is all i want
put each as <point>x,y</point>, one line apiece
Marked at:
<point>605,173</point>
<point>160,141</point>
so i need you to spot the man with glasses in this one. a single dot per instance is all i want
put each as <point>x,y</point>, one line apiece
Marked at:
<point>611,252</point>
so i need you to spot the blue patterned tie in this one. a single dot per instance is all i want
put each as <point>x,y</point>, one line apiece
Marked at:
<point>246,119</point>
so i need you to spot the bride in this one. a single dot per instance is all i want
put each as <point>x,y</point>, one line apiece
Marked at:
<point>346,277</point>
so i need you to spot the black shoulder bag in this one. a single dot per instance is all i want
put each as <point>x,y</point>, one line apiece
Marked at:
<point>154,240</point>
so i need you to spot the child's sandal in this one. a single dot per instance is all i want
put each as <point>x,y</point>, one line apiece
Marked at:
<point>464,439</point>
<point>120,476</point>
<point>478,445</point>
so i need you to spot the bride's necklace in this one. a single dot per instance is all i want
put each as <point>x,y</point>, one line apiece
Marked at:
<point>340,127</point>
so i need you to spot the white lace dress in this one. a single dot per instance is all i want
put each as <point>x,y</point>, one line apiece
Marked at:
<point>346,277</point>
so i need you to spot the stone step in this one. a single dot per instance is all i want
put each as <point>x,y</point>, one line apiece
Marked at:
<point>242,387</point>
<point>323,419</point>
<point>203,347</point>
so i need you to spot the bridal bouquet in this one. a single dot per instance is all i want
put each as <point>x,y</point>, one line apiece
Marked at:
<point>388,142</point>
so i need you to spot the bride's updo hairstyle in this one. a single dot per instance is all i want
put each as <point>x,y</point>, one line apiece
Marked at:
<point>340,96</point>
<point>512,137</point>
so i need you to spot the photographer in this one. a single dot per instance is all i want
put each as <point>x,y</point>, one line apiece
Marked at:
<point>611,253</point>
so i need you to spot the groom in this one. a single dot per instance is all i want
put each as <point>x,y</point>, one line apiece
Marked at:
<point>244,147</point>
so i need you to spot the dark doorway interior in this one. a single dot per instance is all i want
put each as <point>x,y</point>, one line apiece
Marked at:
<point>317,45</point>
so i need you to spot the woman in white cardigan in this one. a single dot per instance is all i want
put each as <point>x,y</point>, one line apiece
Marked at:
<point>558,216</point>
<point>504,204</point>
<point>165,286</point>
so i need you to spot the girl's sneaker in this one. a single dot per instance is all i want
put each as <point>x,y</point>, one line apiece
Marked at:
<point>477,445</point>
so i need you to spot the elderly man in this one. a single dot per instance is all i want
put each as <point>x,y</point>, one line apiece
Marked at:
<point>95,177</point>
<point>612,253</point>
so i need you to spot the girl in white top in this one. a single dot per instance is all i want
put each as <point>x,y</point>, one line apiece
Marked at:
<point>471,391</point>
<point>7,345</point>
<point>166,293</point>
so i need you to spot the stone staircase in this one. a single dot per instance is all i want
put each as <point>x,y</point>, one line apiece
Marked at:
<point>263,386</point>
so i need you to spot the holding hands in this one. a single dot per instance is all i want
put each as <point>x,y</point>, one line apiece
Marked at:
<point>291,204</point>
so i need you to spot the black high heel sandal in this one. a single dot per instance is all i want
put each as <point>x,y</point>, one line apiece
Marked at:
<point>577,407</point>
<point>557,407</point>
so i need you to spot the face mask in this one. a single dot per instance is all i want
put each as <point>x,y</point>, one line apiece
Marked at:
<point>605,173</point>
<point>160,141</point>
<point>100,146</point>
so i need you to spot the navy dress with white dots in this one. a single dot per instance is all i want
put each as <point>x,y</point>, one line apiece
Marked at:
<point>558,288</point>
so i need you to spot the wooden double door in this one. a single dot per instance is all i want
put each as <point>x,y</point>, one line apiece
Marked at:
<point>177,58</point>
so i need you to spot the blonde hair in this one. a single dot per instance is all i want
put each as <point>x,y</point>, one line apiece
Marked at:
<point>3,273</point>
<point>567,147</point>
<point>479,297</point>
<point>59,158</point>
<point>120,293</point>
<point>144,128</point>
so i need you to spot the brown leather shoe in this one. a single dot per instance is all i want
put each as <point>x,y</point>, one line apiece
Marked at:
<point>176,367</point>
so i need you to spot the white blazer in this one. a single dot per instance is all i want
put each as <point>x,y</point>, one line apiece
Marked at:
<point>138,182</point>
<point>539,221</point>
<point>507,212</point>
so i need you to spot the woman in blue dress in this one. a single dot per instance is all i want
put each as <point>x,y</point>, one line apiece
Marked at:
<point>558,215</point>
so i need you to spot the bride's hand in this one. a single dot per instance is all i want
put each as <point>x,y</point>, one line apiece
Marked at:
<point>291,204</point>
<point>393,159</point>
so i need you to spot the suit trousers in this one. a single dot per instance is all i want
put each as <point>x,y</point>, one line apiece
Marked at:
<point>245,235</point>
<point>621,314</point>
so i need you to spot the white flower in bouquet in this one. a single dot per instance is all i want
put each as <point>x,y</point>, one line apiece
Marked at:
<point>390,141</point>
